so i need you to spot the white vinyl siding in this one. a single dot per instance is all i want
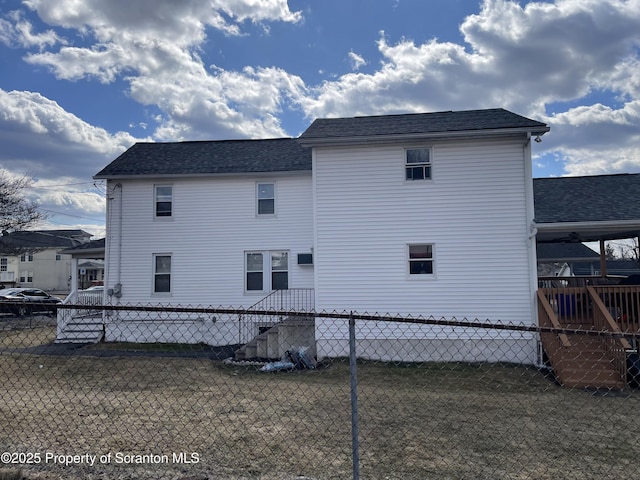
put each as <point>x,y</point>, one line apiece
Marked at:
<point>473,209</point>
<point>214,224</point>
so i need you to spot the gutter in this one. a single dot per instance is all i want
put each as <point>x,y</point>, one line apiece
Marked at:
<point>564,226</point>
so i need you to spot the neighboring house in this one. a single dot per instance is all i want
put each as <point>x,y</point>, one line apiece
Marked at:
<point>407,214</point>
<point>33,258</point>
<point>617,267</point>
<point>87,263</point>
<point>577,259</point>
<point>562,259</point>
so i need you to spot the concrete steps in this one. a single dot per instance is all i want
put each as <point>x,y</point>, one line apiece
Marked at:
<point>81,330</point>
<point>273,344</point>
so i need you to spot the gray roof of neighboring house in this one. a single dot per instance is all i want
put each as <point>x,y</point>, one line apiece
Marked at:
<point>614,267</point>
<point>564,252</point>
<point>210,158</point>
<point>420,123</point>
<point>600,198</point>
<point>37,239</point>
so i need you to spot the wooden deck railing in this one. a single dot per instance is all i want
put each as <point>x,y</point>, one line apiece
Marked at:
<point>623,303</point>
<point>571,306</point>
<point>577,281</point>
<point>616,348</point>
<point>554,343</point>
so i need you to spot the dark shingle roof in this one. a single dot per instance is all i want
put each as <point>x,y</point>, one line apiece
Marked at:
<point>557,252</point>
<point>614,267</point>
<point>94,245</point>
<point>420,123</point>
<point>601,198</point>
<point>37,239</point>
<point>210,158</point>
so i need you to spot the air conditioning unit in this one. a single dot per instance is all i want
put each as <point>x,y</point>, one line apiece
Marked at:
<point>305,259</point>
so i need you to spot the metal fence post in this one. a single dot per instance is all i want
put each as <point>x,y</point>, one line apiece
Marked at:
<point>353,375</point>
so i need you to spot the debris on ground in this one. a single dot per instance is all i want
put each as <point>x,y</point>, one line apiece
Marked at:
<point>295,358</point>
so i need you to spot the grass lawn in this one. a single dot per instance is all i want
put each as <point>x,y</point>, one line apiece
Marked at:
<point>421,421</point>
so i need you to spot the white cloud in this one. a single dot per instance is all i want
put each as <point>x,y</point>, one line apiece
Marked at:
<point>19,32</point>
<point>146,43</point>
<point>46,142</point>
<point>356,61</point>
<point>522,58</point>
<point>597,139</point>
<point>530,58</point>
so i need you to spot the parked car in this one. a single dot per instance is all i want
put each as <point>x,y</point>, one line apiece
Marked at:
<point>24,301</point>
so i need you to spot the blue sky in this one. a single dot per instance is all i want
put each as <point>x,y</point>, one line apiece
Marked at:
<point>82,81</point>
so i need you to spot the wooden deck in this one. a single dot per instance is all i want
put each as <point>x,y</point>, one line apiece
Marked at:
<point>595,328</point>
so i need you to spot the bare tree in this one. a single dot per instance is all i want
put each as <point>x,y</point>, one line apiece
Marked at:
<point>627,249</point>
<point>16,211</point>
<point>630,250</point>
<point>610,252</point>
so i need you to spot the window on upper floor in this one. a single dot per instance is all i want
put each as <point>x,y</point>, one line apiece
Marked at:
<point>266,271</point>
<point>4,264</point>
<point>417,163</point>
<point>266,198</point>
<point>421,259</point>
<point>26,257</point>
<point>161,273</point>
<point>163,200</point>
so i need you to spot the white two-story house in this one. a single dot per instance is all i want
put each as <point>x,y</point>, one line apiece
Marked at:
<point>403,214</point>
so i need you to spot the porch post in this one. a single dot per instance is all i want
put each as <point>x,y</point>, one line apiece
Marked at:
<point>74,276</point>
<point>603,260</point>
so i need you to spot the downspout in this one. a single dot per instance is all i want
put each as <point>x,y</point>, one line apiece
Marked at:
<point>531,234</point>
<point>111,289</point>
<point>118,285</point>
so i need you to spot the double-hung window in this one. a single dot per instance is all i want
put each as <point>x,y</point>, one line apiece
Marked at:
<point>266,198</point>
<point>163,202</point>
<point>417,163</point>
<point>26,257</point>
<point>26,277</point>
<point>421,259</point>
<point>4,264</point>
<point>266,271</point>
<point>161,273</point>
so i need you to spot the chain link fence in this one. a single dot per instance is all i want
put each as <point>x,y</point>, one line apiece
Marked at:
<point>133,392</point>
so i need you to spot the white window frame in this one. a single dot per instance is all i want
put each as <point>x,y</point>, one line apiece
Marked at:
<point>426,259</point>
<point>157,199</point>
<point>422,166</point>
<point>26,257</point>
<point>267,269</point>
<point>4,264</point>
<point>259,199</point>
<point>154,266</point>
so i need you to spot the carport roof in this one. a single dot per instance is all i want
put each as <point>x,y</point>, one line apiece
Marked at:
<point>582,209</point>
